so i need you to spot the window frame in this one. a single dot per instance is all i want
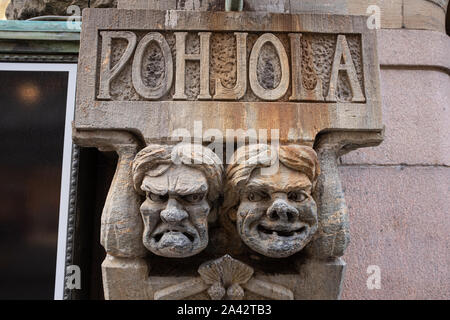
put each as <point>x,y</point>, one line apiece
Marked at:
<point>68,178</point>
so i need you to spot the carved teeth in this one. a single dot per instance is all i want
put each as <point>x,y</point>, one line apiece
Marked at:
<point>264,232</point>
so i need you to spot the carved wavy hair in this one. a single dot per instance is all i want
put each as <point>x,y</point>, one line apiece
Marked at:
<point>154,160</point>
<point>249,158</point>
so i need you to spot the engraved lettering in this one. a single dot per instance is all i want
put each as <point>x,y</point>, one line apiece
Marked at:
<point>280,90</point>
<point>299,92</point>
<point>342,53</point>
<point>106,72</point>
<point>238,91</point>
<point>166,82</point>
<point>181,58</point>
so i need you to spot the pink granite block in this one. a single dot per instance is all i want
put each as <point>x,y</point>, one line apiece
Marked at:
<point>416,106</point>
<point>399,221</point>
<point>414,48</point>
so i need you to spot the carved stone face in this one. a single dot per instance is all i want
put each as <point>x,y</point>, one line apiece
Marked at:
<point>175,212</point>
<point>277,215</point>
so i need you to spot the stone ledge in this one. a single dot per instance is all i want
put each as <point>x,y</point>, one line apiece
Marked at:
<point>395,14</point>
<point>415,100</point>
<point>441,3</point>
<point>415,108</point>
<point>414,48</point>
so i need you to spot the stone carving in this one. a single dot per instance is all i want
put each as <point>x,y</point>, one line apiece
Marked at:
<point>276,214</point>
<point>181,185</point>
<point>181,58</point>
<point>214,66</point>
<point>225,279</point>
<point>163,84</point>
<point>223,51</point>
<point>304,82</point>
<point>225,275</point>
<point>303,87</point>
<point>121,225</point>
<point>342,53</point>
<point>281,88</point>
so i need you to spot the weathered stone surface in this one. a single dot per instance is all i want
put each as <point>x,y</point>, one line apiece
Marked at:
<point>394,14</point>
<point>181,185</point>
<point>419,14</point>
<point>333,236</point>
<point>413,48</point>
<point>415,90</point>
<point>399,222</point>
<point>423,138</point>
<point>270,198</point>
<point>227,278</point>
<point>25,9</point>
<point>124,278</point>
<point>351,105</point>
<point>146,81</point>
<point>121,226</point>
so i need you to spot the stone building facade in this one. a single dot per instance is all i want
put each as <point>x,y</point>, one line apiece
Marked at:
<point>397,193</point>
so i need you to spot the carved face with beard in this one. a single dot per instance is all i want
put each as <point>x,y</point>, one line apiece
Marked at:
<point>179,197</point>
<point>276,215</point>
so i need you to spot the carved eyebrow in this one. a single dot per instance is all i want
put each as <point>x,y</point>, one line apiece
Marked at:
<point>147,186</point>
<point>273,186</point>
<point>298,185</point>
<point>189,189</point>
<point>257,186</point>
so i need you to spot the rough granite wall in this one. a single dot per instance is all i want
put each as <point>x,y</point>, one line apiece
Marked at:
<point>398,193</point>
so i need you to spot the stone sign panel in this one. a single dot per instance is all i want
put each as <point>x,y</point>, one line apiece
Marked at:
<point>230,70</point>
<point>228,127</point>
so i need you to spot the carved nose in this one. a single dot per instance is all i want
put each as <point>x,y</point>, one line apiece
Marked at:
<point>280,210</point>
<point>173,213</point>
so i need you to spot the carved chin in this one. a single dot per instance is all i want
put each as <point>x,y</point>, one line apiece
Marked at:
<point>276,242</point>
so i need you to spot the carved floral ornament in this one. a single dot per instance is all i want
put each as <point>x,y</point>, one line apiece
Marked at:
<point>225,278</point>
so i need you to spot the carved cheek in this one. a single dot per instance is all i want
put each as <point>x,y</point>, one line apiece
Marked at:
<point>308,211</point>
<point>198,214</point>
<point>251,208</point>
<point>242,213</point>
<point>249,212</point>
<point>150,213</point>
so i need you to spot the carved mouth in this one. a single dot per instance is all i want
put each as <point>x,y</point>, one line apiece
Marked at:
<point>282,233</point>
<point>159,235</point>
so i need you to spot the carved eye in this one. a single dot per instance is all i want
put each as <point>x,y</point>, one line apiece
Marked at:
<point>157,197</point>
<point>297,196</point>
<point>194,198</point>
<point>257,196</point>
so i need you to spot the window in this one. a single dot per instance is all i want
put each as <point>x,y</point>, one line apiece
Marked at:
<point>37,106</point>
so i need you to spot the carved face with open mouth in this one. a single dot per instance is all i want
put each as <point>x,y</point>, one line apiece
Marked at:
<point>175,212</point>
<point>277,215</point>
